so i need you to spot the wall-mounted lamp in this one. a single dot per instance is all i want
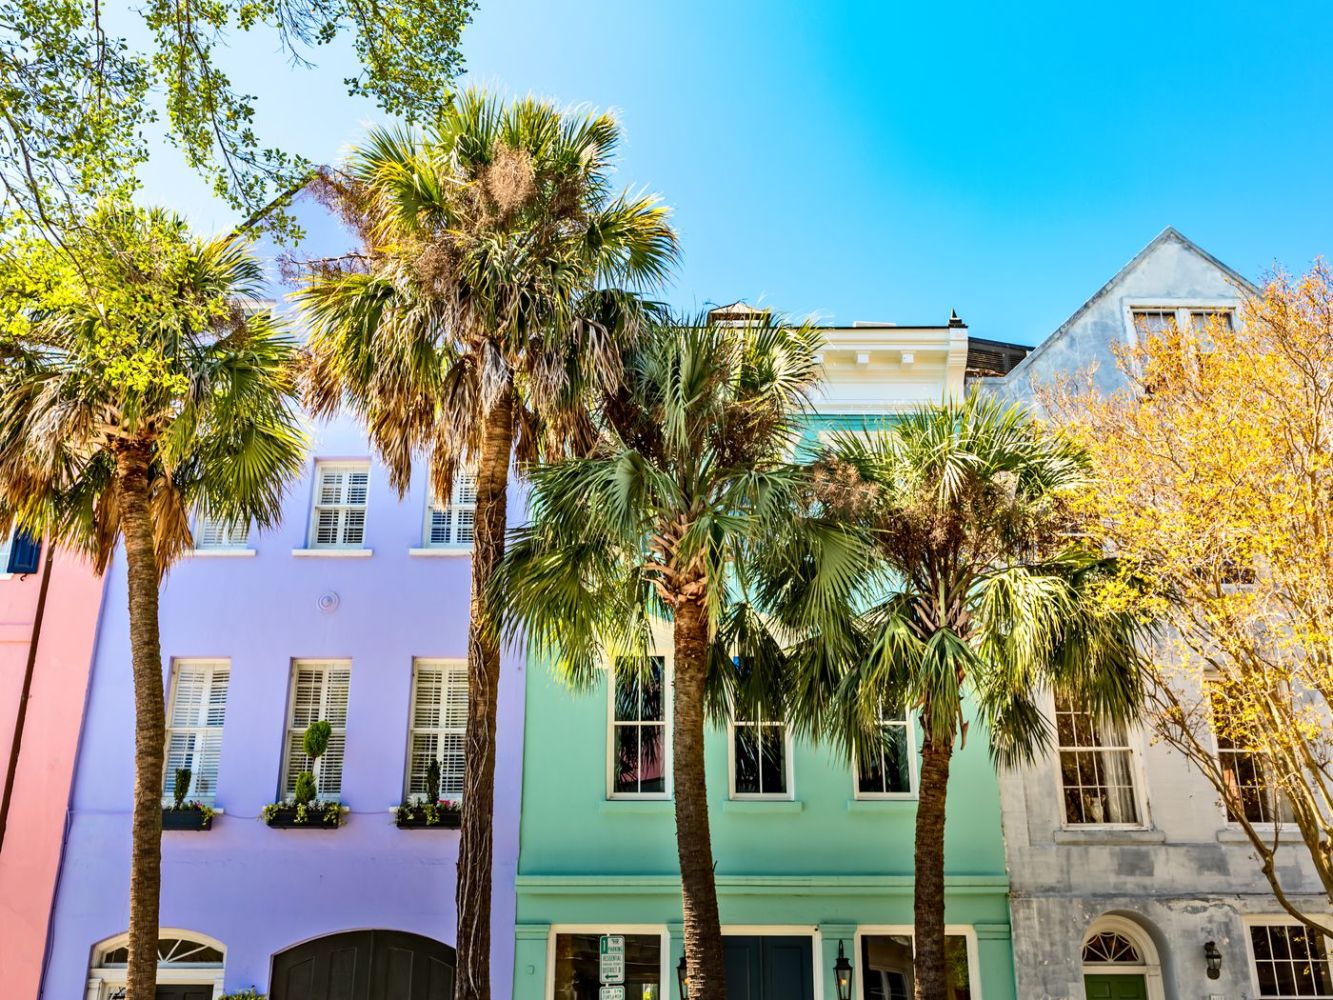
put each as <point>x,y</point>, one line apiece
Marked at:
<point>1212,959</point>
<point>683,979</point>
<point>842,973</point>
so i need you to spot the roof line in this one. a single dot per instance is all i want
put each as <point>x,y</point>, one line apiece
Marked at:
<point>1166,235</point>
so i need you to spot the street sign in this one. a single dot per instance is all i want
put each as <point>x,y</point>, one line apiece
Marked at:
<point>611,993</point>
<point>611,961</point>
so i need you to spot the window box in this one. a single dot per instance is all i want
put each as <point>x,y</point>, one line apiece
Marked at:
<point>192,816</point>
<point>315,816</point>
<point>427,816</point>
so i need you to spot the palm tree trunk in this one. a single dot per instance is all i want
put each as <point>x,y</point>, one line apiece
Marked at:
<point>149,722</point>
<point>473,942</point>
<point>932,973</point>
<point>703,930</point>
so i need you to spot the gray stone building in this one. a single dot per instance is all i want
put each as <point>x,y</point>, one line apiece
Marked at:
<point>1122,863</point>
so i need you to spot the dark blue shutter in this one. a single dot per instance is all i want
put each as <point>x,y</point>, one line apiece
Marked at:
<point>24,553</point>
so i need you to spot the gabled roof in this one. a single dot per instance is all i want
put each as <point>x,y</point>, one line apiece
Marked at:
<point>1168,235</point>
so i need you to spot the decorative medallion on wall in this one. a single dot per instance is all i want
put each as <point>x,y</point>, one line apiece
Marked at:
<point>328,602</point>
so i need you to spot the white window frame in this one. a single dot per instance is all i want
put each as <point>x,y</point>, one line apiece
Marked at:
<point>1271,826</point>
<point>337,465</point>
<point>440,731</point>
<point>1272,920</point>
<point>104,980</point>
<point>912,764</point>
<point>201,728</point>
<point>965,931</point>
<point>226,548</point>
<point>668,705</point>
<point>667,973</point>
<point>289,729</point>
<point>1133,744</point>
<point>6,546</point>
<point>452,511</point>
<point>789,770</point>
<point>1181,307</point>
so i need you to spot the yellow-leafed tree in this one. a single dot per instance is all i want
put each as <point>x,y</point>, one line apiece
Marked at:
<point>1215,487</point>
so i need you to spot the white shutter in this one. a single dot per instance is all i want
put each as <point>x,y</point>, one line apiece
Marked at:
<point>214,533</point>
<point>453,525</point>
<point>195,723</point>
<point>319,693</point>
<point>339,517</point>
<point>439,724</point>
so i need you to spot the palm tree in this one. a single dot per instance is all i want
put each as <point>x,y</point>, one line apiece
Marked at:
<point>484,306</point>
<point>145,383</point>
<point>666,520</point>
<point>979,585</point>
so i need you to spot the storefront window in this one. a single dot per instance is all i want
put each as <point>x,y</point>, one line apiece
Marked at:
<point>887,969</point>
<point>577,966</point>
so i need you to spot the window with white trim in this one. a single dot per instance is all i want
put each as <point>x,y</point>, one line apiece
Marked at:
<point>1096,768</point>
<point>1251,790</point>
<point>339,516</point>
<point>452,526</point>
<point>1290,963</point>
<point>759,759</point>
<point>439,724</point>
<point>6,543</point>
<point>638,745</point>
<point>195,717</point>
<point>1153,321</point>
<point>577,966</point>
<point>318,694</point>
<point>888,966</point>
<point>888,771</point>
<point>215,533</point>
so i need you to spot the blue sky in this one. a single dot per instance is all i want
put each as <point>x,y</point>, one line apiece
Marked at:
<point>881,161</point>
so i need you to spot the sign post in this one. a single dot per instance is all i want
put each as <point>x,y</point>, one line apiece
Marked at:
<point>611,966</point>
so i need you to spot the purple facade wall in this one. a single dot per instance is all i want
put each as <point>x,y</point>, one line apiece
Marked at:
<point>259,890</point>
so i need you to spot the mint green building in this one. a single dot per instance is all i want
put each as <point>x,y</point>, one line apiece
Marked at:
<point>810,855</point>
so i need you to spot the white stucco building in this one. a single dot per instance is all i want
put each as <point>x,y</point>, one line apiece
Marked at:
<point>1122,863</point>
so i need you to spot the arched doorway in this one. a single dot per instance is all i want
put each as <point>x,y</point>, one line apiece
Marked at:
<point>1120,962</point>
<point>189,966</point>
<point>364,965</point>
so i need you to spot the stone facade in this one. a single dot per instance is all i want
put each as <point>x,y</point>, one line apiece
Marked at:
<point>1163,869</point>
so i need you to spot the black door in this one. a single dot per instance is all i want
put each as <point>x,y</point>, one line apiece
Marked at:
<point>365,965</point>
<point>184,993</point>
<point>769,968</point>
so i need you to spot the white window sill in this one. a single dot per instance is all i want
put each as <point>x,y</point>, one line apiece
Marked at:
<point>1233,834</point>
<point>878,804</point>
<point>332,553</point>
<point>763,806</point>
<point>1107,835</point>
<point>442,551</point>
<point>663,806</point>
<point>6,576</point>
<point>220,553</point>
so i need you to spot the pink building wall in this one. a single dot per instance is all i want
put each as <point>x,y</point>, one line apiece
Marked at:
<point>30,853</point>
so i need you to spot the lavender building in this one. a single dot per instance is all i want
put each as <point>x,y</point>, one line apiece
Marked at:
<point>353,610</point>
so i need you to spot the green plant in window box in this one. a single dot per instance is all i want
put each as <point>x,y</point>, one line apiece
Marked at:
<point>183,815</point>
<point>247,994</point>
<point>305,808</point>
<point>432,809</point>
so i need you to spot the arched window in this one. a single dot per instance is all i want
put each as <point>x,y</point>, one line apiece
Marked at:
<point>184,958</point>
<point>1117,947</point>
<point>1109,946</point>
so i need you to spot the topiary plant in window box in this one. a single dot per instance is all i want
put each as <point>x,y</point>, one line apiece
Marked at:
<point>431,811</point>
<point>183,815</point>
<point>306,810</point>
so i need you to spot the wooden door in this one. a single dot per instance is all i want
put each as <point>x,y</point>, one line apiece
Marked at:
<point>365,965</point>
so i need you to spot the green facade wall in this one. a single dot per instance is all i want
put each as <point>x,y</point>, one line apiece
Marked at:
<point>824,863</point>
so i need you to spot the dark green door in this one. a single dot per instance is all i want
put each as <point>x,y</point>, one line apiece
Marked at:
<point>765,967</point>
<point>1104,987</point>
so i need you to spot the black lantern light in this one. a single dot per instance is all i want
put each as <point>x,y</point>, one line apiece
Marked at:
<point>1212,959</point>
<point>842,972</point>
<point>683,979</point>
